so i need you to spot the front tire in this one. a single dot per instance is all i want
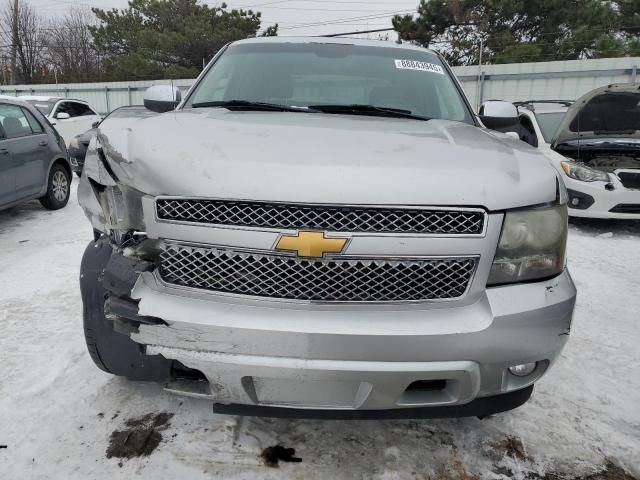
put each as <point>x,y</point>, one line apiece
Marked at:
<point>58,188</point>
<point>111,351</point>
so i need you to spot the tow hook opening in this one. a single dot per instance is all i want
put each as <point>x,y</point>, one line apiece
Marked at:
<point>430,392</point>
<point>188,382</point>
<point>427,385</point>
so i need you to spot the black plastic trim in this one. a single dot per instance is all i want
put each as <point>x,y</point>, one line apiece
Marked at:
<point>121,273</point>
<point>480,407</point>
<point>628,208</point>
<point>128,309</point>
<point>585,200</point>
<point>526,282</point>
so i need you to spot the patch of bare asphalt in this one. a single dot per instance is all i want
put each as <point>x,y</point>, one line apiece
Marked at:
<point>610,471</point>
<point>513,447</point>
<point>272,455</point>
<point>140,437</point>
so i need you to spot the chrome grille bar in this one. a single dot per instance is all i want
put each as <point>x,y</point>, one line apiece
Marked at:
<point>436,221</point>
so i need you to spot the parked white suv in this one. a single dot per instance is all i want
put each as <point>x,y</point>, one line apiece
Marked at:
<point>324,228</point>
<point>70,117</point>
<point>594,144</point>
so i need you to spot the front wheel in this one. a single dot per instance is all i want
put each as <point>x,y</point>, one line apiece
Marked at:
<point>111,351</point>
<point>58,188</point>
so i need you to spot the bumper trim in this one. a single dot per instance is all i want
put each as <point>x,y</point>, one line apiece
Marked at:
<point>480,407</point>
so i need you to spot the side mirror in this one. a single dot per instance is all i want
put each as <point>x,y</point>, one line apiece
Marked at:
<point>496,114</point>
<point>95,124</point>
<point>513,135</point>
<point>63,116</point>
<point>162,98</point>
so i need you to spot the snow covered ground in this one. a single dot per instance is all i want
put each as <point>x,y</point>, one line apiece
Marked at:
<point>58,411</point>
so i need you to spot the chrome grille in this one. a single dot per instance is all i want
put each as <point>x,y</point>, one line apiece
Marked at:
<point>319,217</point>
<point>326,280</point>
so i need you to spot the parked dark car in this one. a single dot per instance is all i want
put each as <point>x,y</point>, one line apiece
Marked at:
<point>33,158</point>
<point>78,146</point>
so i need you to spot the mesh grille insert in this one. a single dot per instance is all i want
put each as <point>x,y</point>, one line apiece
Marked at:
<point>330,280</point>
<point>630,179</point>
<point>333,218</point>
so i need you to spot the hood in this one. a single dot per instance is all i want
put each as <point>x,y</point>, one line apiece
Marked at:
<point>323,158</point>
<point>605,116</point>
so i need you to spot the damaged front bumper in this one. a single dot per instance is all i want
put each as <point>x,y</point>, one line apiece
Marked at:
<point>284,359</point>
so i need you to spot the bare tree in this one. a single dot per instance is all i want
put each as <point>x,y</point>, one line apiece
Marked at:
<point>70,47</point>
<point>24,31</point>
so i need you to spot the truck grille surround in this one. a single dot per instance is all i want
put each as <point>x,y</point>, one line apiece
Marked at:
<point>405,220</point>
<point>322,280</point>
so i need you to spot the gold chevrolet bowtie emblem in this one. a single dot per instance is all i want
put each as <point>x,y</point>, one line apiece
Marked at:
<point>310,244</point>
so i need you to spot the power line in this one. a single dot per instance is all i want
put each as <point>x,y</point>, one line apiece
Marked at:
<point>343,20</point>
<point>358,32</point>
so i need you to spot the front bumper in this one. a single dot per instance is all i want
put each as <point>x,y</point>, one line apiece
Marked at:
<point>76,157</point>
<point>357,358</point>
<point>604,199</point>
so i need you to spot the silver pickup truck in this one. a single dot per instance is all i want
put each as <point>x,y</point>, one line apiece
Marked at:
<point>324,228</point>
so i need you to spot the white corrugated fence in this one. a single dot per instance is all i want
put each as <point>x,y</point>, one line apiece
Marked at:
<point>565,80</point>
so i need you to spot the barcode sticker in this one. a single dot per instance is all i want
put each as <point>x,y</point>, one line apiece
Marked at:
<point>420,66</point>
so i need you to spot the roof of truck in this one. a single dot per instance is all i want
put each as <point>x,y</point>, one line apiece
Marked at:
<point>335,40</point>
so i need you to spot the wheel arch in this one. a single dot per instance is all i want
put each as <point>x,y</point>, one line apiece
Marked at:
<point>65,164</point>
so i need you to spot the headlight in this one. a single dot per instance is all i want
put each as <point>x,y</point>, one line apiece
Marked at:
<point>532,245</point>
<point>582,173</point>
<point>115,206</point>
<point>122,208</point>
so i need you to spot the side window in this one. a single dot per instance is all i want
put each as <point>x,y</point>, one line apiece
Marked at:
<point>527,131</point>
<point>86,109</point>
<point>80,109</point>
<point>36,128</point>
<point>14,122</point>
<point>63,107</point>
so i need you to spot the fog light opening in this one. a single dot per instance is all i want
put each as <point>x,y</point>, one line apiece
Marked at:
<point>523,370</point>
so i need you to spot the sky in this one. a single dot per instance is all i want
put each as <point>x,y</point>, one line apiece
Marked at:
<point>295,17</point>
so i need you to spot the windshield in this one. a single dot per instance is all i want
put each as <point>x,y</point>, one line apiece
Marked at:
<point>549,123</point>
<point>314,74</point>
<point>44,107</point>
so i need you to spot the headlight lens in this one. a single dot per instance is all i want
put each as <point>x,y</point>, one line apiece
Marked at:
<point>584,174</point>
<point>122,208</point>
<point>532,245</point>
<point>115,206</point>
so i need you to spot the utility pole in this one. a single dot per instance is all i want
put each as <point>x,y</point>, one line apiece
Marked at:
<point>5,70</point>
<point>14,42</point>
<point>478,83</point>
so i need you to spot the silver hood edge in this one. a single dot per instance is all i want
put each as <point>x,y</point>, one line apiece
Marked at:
<point>331,159</point>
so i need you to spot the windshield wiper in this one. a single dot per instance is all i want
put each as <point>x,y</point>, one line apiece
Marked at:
<point>247,105</point>
<point>358,109</point>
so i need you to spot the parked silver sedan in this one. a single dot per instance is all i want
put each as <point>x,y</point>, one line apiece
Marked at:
<point>323,228</point>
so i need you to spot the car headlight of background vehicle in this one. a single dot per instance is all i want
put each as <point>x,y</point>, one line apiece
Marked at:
<point>583,173</point>
<point>532,245</point>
